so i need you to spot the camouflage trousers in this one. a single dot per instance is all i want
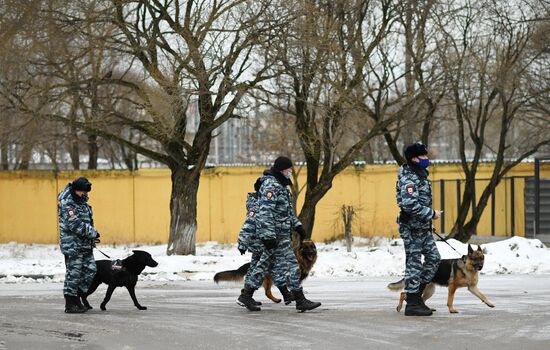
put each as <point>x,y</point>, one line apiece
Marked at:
<point>81,269</point>
<point>417,243</point>
<point>282,264</point>
<point>278,279</point>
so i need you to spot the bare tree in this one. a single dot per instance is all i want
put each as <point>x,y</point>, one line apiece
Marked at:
<point>179,57</point>
<point>412,74</point>
<point>320,69</point>
<point>13,14</point>
<point>50,58</point>
<point>489,63</point>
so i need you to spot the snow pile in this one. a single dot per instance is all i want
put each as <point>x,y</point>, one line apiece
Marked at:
<point>22,263</point>
<point>46,263</point>
<point>383,257</point>
<point>517,255</point>
<point>368,258</point>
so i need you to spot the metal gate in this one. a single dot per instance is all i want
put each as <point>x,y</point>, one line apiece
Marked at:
<point>533,229</point>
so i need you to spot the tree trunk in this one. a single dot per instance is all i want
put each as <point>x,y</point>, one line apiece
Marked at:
<point>183,211</point>
<point>458,231</point>
<point>26,155</point>
<point>93,151</point>
<point>368,154</point>
<point>53,156</point>
<point>136,162</point>
<point>128,157</point>
<point>74,150</point>
<point>392,145</point>
<point>427,125</point>
<point>313,195</point>
<point>347,217</point>
<point>4,161</point>
<point>307,215</point>
<point>471,227</point>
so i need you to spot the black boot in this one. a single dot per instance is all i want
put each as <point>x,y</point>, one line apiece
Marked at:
<point>421,291</point>
<point>302,303</point>
<point>246,300</point>
<point>82,296</point>
<point>414,308</point>
<point>287,296</point>
<point>73,306</point>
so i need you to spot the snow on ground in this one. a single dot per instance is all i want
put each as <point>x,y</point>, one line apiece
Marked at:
<point>25,263</point>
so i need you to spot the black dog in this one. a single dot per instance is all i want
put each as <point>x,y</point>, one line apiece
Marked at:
<point>124,274</point>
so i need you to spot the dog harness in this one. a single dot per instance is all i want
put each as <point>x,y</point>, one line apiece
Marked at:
<point>116,265</point>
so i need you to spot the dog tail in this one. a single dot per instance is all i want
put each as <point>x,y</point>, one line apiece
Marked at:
<point>232,275</point>
<point>397,286</point>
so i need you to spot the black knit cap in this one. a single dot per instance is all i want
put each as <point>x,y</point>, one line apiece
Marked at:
<point>415,150</point>
<point>82,184</point>
<point>282,163</point>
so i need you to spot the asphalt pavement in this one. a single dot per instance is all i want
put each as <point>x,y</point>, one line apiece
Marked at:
<point>356,314</point>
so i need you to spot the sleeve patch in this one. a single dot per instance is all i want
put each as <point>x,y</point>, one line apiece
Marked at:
<point>410,189</point>
<point>269,194</point>
<point>70,211</point>
<point>251,213</point>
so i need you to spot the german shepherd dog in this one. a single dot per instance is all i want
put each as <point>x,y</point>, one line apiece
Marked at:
<point>306,256</point>
<point>454,273</point>
<point>123,274</point>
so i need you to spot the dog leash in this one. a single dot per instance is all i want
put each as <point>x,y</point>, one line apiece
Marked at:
<point>445,240</point>
<point>94,246</point>
<point>107,256</point>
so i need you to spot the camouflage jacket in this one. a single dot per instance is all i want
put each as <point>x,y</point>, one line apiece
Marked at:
<point>76,224</point>
<point>414,197</point>
<point>248,239</point>
<point>275,217</point>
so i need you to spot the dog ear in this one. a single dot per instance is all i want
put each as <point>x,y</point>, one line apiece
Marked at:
<point>470,250</point>
<point>479,248</point>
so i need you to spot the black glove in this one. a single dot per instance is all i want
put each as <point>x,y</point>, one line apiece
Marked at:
<point>96,239</point>
<point>242,250</point>
<point>301,232</point>
<point>270,243</point>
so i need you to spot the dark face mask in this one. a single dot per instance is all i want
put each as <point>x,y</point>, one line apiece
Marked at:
<point>423,163</point>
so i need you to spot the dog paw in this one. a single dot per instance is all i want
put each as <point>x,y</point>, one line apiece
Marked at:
<point>489,304</point>
<point>277,301</point>
<point>453,311</point>
<point>102,307</point>
<point>142,307</point>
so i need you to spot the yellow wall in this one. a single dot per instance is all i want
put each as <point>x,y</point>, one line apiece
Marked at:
<point>134,207</point>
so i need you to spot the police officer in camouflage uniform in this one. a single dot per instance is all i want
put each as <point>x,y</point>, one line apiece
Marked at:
<point>275,220</point>
<point>249,240</point>
<point>77,237</point>
<point>414,197</point>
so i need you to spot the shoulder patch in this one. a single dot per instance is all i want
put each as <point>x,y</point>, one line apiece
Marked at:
<point>251,213</point>
<point>269,194</point>
<point>70,211</point>
<point>410,189</point>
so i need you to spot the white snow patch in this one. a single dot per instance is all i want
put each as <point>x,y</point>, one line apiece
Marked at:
<point>369,258</point>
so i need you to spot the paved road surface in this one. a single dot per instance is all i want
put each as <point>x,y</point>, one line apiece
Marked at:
<point>356,314</point>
